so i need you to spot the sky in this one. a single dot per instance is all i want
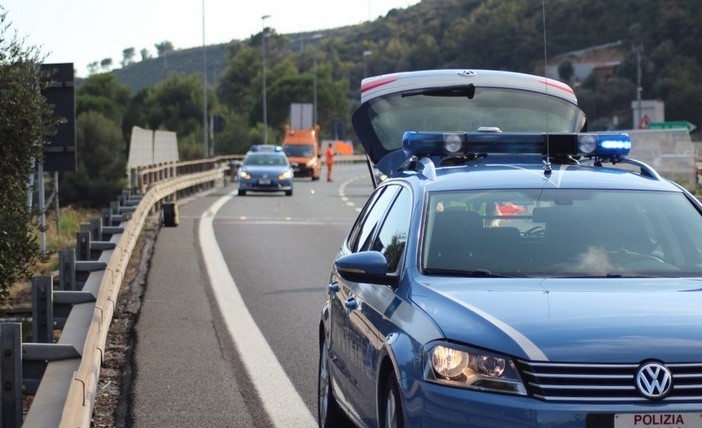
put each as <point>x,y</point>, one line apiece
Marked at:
<point>86,31</point>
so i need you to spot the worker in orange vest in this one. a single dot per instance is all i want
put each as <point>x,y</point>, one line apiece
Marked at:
<point>329,157</point>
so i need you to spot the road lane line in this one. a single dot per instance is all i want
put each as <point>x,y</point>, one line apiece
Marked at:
<point>281,401</point>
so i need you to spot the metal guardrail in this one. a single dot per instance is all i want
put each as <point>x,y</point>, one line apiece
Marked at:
<point>142,178</point>
<point>63,376</point>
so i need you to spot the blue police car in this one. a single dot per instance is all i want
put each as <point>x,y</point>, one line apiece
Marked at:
<point>513,270</point>
<point>265,168</point>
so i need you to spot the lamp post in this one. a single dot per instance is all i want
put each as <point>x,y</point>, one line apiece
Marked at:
<point>204,86</point>
<point>265,106</point>
<point>639,48</point>
<point>314,84</point>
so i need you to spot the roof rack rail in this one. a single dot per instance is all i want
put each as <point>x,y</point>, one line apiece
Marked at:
<point>645,168</point>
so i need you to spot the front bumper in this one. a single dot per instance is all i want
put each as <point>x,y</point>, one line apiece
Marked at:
<point>432,405</point>
<point>301,170</point>
<point>256,185</point>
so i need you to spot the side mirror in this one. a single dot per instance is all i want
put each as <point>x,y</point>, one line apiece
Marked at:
<point>366,266</point>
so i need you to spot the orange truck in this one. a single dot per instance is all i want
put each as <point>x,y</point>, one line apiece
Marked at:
<point>302,148</point>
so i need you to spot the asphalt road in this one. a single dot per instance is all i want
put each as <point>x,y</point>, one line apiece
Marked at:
<point>227,334</point>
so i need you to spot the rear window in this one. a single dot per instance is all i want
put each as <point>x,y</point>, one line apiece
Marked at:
<point>561,233</point>
<point>507,109</point>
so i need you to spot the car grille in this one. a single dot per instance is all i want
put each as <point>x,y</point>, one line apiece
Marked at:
<point>604,382</point>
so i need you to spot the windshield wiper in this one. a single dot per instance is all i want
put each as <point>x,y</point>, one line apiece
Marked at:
<point>467,91</point>
<point>482,273</point>
<point>609,275</point>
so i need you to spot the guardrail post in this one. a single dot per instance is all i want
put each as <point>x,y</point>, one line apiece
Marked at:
<point>114,207</point>
<point>11,374</point>
<point>107,216</point>
<point>67,269</point>
<point>133,199</point>
<point>83,244</point>
<point>96,229</point>
<point>42,309</point>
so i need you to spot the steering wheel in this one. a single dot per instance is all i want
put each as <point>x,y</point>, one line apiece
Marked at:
<point>631,261</point>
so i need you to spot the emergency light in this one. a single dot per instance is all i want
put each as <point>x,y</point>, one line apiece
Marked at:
<point>448,144</point>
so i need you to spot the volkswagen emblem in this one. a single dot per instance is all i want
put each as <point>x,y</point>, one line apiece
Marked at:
<point>467,73</point>
<point>654,381</point>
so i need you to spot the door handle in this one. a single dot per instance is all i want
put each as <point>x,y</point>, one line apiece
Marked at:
<point>351,303</point>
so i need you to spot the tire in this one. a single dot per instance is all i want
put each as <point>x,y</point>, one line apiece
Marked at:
<point>391,404</point>
<point>329,415</point>
<point>288,193</point>
<point>242,192</point>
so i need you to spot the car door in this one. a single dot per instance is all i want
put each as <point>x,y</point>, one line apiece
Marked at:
<point>339,347</point>
<point>345,346</point>
<point>366,303</point>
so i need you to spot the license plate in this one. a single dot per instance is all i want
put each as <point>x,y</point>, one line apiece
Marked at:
<point>264,182</point>
<point>658,420</point>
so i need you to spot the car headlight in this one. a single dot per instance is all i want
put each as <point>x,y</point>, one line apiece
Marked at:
<point>244,175</point>
<point>472,368</point>
<point>285,175</point>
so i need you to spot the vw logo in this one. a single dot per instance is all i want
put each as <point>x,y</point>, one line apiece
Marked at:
<point>654,381</point>
<point>467,73</point>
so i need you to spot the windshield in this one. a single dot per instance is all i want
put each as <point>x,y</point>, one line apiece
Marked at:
<point>301,150</point>
<point>562,233</point>
<point>507,109</point>
<point>262,159</point>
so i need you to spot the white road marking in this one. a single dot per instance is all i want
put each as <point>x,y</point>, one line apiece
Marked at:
<point>280,399</point>
<point>342,190</point>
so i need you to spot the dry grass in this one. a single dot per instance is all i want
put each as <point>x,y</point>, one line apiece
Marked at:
<point>58,236</point>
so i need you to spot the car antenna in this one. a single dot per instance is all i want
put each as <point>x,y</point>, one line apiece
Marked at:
<point>547,161</point>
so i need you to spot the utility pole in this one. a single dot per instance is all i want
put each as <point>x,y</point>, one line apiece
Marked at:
<point>314,88</point>
<point>265,96</point>
<point>639,48</point>
<point>204,86</point>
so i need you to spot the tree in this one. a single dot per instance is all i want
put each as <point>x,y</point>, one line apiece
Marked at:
<point>101,171</point>
<point>127,56</point>
<point>106,64</point>
<point>566,70</point>
<point>164,48</point>
<point>93,67</point>
<point>101,106</point>
<point>102,93</point>
<point>145,54</point>
<point>25,120</point>
<point>104,86</point>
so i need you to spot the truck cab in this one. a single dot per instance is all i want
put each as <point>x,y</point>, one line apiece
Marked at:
<point>302,148</point>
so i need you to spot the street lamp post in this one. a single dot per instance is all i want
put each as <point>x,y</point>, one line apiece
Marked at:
<point>205,136</point>
<point>314,85</point>
<point>265,106</point>
<point>639,48</point>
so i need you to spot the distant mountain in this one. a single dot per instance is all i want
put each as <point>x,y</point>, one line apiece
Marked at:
<point>150,72</point>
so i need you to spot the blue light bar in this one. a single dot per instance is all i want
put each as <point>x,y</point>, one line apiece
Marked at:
<point>446,144</point>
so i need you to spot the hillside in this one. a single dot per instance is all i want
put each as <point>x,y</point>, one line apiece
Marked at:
<point>150,72</point>
<point>508,35</point>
